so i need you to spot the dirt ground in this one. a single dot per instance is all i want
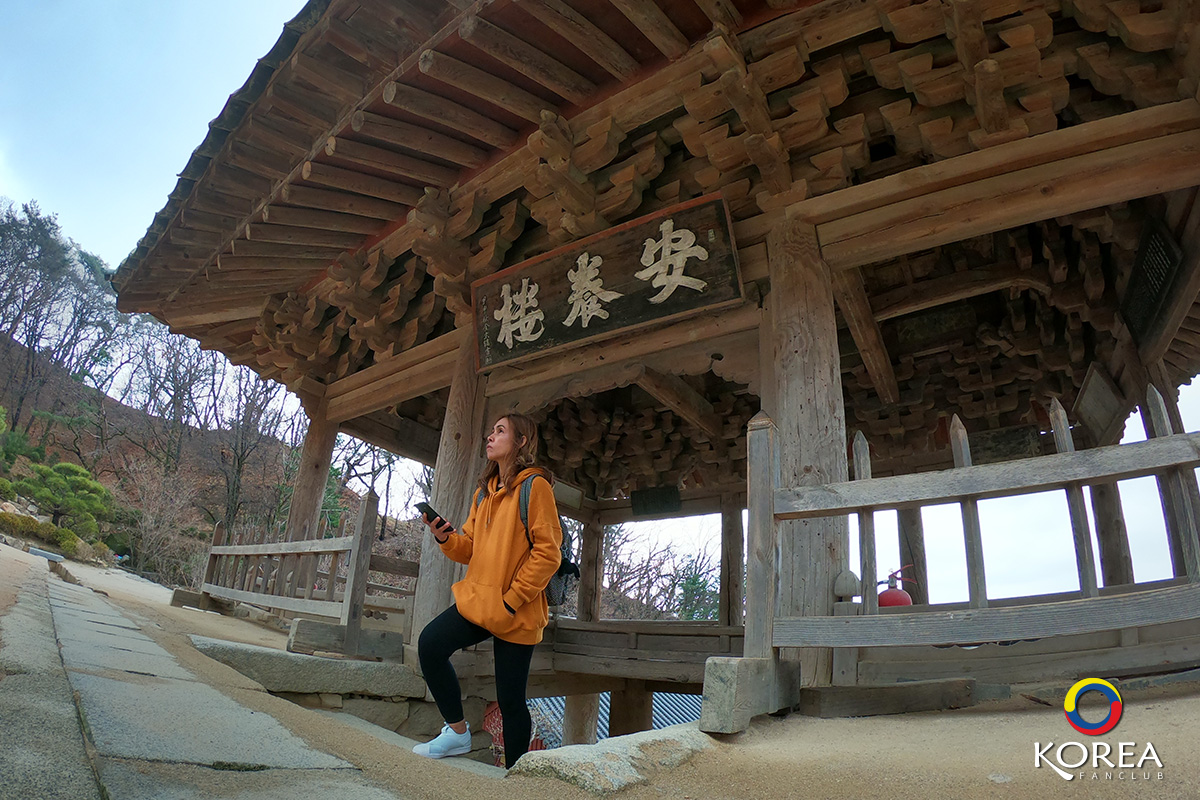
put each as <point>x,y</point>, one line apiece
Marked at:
<point>983,752</point>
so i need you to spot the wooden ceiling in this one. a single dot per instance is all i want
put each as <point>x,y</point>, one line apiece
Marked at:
<point>398,151</point>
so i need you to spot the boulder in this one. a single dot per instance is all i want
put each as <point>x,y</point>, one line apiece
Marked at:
<point>617,763</point>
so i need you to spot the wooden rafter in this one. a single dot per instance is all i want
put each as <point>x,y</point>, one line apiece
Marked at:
<point>851,296</point>
<point>674,393</point>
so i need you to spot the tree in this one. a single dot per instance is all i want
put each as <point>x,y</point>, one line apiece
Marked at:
<point>160,508</point>
<point>70,495</point>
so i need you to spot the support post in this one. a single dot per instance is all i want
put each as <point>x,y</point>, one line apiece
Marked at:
<point>733,562</point>
<point>308,489</point>
<point>356,577</point>
<point>1116,563</point>
<point>1177,500</point>
<point>809,412</point>
<point>972,534</point>
<point>458,461</point>
<point>866,530</point>
<point>912,551</point>
<point>761,565</point>
<point>582,711</point>
<point>631,710</point>
<point>1085,561</point>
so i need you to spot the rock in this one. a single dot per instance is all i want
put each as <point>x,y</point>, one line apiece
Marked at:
<point>617,763</point>
<point>383,713</point>
<point>330,700</point>
<point>424,721</point>
<point>279,671</point>
<point>9,508</point>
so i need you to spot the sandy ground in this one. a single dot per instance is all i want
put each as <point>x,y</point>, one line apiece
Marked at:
<point>982,752</point>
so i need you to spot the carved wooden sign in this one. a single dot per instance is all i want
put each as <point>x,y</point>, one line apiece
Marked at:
<point>671,264</point>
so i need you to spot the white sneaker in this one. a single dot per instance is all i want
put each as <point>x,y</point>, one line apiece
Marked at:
<point>447,743</point>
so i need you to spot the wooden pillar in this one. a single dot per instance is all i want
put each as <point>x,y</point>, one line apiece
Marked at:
<point>733,562</point>
<point>583,710</point>
<point>308,488</point>
<point>454,479</point>
<point>359,560</point>
<point>912,551</point>
<point>631,710</point>
<point>810,418</point>
<point>1116,563</point>
<point>1176,488</point>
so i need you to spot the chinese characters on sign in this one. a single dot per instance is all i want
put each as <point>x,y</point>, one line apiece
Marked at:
<point>671,264</point>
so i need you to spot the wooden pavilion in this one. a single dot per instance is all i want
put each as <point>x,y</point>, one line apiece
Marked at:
<point>919,221</point>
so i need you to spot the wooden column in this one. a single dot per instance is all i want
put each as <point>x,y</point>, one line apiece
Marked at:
<point>1175,489</point>
<point>356,576</point>
<point>1116,563</point>
<point>912,551</point>
<point>454,478</point>
<point>810,418</point>
<point>583,710</point>
<point>308,488</point>
<point>631,710</point>
<point>733,562</point>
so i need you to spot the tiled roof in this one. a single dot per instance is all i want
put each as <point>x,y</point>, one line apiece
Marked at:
<point>669,709</point>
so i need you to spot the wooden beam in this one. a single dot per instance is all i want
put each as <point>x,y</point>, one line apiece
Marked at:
<point>452,115</point>
<point>399,362</point>
<point>286,234</point>
<point>693,503</point>
<point>415,137</point>
<point>673,392</point>
<point>406,384</point>
<point>526,59</point>
<point>321,220</point>
<point>405,438</point>
<point>1100,178</point>
<point>934,292</point>
<point>655,25</point>
<point>487,87</point>
<point>348,180</point>
<point>580,32</point>
<point>372,157</point>
<point>191,314</point>
<point>851,296</point>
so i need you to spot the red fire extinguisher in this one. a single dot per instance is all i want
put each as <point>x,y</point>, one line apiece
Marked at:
<point>894,595</point>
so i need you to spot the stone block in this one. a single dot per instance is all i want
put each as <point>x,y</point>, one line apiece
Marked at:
<point>384,713</point>
<point>280,671</point>
<point>739,689</point>
<point>424,721</point>
<point>330,700</point>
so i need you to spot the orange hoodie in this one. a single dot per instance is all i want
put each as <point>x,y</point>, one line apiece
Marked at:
<point>501,567</point>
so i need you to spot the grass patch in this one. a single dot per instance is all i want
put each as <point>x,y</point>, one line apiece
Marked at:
<point>233,766</point>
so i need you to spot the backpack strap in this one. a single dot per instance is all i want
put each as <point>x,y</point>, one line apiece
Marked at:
<point>526,491</point>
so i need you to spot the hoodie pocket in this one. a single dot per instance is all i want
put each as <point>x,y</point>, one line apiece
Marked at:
<point>483,604</point>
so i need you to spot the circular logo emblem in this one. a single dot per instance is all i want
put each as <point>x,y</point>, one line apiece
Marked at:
<point>1071,706</point>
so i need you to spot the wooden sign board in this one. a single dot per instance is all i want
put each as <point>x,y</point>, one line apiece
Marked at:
<point>671,264</point>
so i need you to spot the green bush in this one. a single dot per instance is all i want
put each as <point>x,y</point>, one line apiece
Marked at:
<point>67,542</point>
<point>48,532</point>
<point>101,552</point>
<point>19,525</point>
<point>7,492</point>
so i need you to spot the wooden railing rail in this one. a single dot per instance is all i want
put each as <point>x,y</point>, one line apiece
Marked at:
<point>1170,457</point>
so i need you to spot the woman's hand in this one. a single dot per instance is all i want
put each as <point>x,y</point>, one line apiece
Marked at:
<point>441,531</point>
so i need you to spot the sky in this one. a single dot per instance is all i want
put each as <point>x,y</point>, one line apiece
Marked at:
<point>103,101</point>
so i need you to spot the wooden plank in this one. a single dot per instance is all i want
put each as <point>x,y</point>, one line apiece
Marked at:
<point>1177,494</point>
<point>651,627</point>
<point>761,566</point>
<point>356,580</point>
<point>866,529</point>
<point>1081,531</point>
<point>830,702</point>
<point>347,180</point>
<point>629,668</point>
<point>281,548</point>
<point>395,566</point>
<point>1046,148</point>
<point>732,598</point>
<point>445,112</point>
<point>851,296</point>
<point>484,85</point>
<point>1114,175</point>
<point>992,624</point>
<point>912,552</point>
<point>414,356</point>
<point>417,138</point>
<point>395,163</point>
<point>413,382</point>
<point>310,636</point>
<point>655,25</point>
<point>1024,476</point>
<point>318,608</point>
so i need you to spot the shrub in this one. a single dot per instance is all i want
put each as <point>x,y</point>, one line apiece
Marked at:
<point>67,542</point>
<point>7,492</point>
<point>48,532</point>
<point>101,552</point>
<point>19,525</point>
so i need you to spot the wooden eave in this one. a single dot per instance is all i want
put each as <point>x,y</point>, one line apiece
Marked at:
<point>384,166</point>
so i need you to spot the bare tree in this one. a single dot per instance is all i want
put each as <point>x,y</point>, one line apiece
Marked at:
<point>163,508</point>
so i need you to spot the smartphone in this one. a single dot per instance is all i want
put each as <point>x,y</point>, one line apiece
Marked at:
<point>430,514</point>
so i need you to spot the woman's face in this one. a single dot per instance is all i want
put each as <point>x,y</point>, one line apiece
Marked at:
<point>501,443</point>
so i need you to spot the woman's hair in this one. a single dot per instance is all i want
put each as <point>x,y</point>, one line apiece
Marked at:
<point>522,427</point>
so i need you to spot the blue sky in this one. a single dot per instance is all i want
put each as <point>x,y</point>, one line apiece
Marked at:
<point>102,102</point>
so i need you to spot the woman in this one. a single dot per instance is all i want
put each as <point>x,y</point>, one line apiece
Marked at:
<point>502,594</point>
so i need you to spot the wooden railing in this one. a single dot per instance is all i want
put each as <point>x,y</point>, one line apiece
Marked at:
<point>295,576</point>
<point>1170,457</point>
<point>647,650</point>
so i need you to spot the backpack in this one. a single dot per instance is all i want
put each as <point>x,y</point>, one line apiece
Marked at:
<point>562,583</point>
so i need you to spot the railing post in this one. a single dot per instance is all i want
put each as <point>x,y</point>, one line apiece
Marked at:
<point>356,579</point>
<point>1085,561</point>
<point>972,535</point>
<point>1185,549</point>
<point>762,551</point>
<point>866,529</point>
<point>733,562</point>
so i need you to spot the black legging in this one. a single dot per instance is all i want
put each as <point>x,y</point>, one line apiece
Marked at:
<point>449,633</point>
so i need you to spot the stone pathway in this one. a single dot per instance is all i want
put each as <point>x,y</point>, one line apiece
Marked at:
<point>154,730</point>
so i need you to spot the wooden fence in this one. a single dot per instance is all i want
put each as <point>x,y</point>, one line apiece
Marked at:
<point>1171,458</point>
<point>319,577</point>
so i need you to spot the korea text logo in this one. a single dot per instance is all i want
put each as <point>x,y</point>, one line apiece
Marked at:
<point>1096,759</point>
